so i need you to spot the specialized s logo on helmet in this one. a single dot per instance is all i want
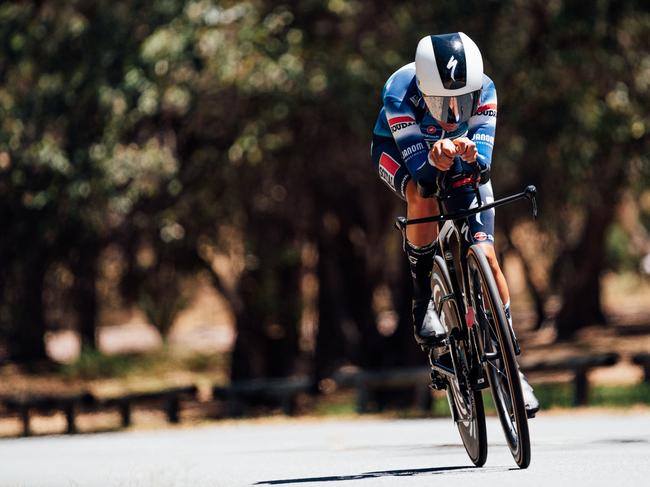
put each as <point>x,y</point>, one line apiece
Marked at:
<point>452,65</point>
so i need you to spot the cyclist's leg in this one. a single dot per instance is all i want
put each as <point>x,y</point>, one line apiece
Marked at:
<point>418,244</point>
<point>419,247</point>
<point>418,207</point>
<point>490,253</point>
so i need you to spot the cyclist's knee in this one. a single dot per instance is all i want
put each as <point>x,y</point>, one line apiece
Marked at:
<point>417,205</point>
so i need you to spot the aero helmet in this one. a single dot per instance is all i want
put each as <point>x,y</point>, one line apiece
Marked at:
<point>449,72</point>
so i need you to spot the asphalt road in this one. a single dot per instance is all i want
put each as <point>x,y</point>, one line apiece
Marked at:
<point>585,449</point>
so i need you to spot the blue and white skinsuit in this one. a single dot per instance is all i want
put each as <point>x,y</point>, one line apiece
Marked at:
<point>405,132</point>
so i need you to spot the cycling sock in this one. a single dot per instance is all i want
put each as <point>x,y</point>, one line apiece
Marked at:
<point>506,308</point>
<point>421,261</point>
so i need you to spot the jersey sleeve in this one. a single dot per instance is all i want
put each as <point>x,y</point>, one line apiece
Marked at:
<point>482,126</point>
<point>406,132</point>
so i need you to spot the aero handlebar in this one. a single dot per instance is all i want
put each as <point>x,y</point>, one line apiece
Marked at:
<point>529,193</point>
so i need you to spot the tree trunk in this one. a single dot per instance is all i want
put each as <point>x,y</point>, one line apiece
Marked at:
<point>27,336</point>
<point>358,290</point>
<point>581,303</point>
<point>332,341</point>
<point>271,304</point>
<point>403,348</point>
<point>347,330</point>
<point>85,295</point>
<point>537,295</point>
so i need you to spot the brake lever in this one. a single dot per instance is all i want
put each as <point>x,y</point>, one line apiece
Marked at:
<point>531,192</point>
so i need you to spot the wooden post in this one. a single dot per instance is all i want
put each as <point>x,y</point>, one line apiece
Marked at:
<point>288,404</point>
<point>173,406</point>
<point>363,397</point>
<point>581,396</point>
<point>69,411</point>
<point>125,412</point>
<point>643,359</point>
<point>24,416</point>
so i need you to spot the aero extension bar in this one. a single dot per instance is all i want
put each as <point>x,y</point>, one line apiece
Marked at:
<point>529,193</point>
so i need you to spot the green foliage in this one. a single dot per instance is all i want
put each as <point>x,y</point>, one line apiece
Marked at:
<point>94,365</point>
<point>173,125</point>
<point>147,368</point>
<point>205,362</point>
<point>550,395</point>
<point>619,255</point>
<point>561,395</point>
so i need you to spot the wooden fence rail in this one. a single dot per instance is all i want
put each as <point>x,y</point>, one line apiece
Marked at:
<point>238,395</point>
<point>69,404</point>
<point>579,366</point>
<point>170,399</point>
<point>72,404</point>
<point>369,385</point>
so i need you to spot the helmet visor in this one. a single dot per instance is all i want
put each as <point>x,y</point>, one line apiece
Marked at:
<point>453,109</point>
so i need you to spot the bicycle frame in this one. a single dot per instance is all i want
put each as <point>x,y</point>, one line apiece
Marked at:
<point>453,249</point>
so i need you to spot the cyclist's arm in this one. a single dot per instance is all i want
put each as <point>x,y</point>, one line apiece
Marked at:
<point>482,126</point>
<point>409,139</point>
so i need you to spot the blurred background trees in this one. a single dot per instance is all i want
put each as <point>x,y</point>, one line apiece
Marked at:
<point>172,134</point>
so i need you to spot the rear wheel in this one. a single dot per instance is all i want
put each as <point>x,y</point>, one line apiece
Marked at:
<point>500,366</point>
<point>466,403</point>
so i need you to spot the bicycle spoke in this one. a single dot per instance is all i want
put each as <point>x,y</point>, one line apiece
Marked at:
<point>499,371</point>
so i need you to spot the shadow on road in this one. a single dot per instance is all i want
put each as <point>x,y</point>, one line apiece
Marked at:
<point>385,473</point>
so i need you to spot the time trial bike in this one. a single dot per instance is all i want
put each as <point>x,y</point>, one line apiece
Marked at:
<point>479,347</point>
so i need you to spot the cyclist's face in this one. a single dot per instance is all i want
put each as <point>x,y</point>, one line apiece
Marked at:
<point>453,113</point>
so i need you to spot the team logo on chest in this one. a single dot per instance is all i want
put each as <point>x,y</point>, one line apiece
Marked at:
<point>398,123</point>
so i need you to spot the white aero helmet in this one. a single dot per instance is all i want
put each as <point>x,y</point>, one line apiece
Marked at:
<point>449,72</point>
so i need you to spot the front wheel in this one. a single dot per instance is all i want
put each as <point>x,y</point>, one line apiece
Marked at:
<point>466,403</point>
<point>496,348</point>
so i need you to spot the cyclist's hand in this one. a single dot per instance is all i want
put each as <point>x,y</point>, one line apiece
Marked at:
<point>442,154</point>
<point>466,149</point>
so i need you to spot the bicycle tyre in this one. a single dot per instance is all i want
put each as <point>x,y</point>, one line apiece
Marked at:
<point>466,401</point>
<point>507,395</point>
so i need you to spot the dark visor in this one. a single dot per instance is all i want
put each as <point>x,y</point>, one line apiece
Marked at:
<point>453,109</point>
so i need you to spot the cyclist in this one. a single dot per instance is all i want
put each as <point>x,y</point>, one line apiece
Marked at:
<point>438,118</point>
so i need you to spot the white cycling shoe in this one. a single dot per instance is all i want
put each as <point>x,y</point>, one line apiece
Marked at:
<point>432,331</point>
<point>531,402</point>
